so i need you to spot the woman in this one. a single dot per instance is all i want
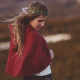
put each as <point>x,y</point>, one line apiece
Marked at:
<point>29,55</point>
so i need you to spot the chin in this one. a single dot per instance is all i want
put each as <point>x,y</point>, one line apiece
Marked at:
<point>38,29</point>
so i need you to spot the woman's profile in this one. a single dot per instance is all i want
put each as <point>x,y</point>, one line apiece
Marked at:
<point>29,55</point>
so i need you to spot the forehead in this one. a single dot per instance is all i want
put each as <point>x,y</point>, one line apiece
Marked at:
<point>42,17</point>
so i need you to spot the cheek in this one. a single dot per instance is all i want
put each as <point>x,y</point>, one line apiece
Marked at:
<point>37,23</point>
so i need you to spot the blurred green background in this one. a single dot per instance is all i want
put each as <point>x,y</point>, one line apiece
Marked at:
<point>64,18</point>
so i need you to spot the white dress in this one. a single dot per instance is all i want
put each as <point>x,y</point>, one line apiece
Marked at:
<point>46,71</point>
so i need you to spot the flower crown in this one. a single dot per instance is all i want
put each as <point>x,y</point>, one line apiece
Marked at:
<point>41,12</point>
<point>26,8</point>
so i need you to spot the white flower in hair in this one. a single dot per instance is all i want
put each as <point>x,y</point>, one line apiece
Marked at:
<point>24,10</point>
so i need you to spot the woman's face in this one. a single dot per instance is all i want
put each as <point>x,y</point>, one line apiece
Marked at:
<point>38,22</point>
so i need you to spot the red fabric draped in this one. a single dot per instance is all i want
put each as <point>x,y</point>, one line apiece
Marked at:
<point>36,55</point>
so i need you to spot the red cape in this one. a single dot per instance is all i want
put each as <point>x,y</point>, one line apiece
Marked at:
<point>36,55</point>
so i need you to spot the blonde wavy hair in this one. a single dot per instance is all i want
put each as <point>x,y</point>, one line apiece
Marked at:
<point>21,22</point>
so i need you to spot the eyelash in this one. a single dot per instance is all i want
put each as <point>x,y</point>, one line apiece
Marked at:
<point>39,21</point>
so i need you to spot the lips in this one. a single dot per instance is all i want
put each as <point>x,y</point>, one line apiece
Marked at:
<point>39,27</point>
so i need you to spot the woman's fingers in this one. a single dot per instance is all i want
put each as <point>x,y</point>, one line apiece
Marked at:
<point>51,53</point>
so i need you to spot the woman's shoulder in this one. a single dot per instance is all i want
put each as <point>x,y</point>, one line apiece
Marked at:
<point>34,35</point>
<point>38,37</point>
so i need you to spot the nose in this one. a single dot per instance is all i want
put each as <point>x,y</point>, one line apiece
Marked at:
<point>42,24</point>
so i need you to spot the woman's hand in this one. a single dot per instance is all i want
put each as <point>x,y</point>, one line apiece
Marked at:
<point>51,53</point>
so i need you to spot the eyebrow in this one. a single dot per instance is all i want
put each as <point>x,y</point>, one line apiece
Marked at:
<point>43,20</point>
